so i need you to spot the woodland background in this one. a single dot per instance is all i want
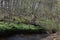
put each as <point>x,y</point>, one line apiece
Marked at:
<point>45,13</point>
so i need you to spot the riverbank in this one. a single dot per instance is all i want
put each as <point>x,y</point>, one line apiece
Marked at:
<point>7,29</point>
<point>55,36</point>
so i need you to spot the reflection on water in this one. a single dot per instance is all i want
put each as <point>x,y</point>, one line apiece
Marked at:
<point>26,37</point>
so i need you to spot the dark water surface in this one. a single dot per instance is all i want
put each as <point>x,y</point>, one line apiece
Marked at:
<point>11,35</point>
<point>27,37</point>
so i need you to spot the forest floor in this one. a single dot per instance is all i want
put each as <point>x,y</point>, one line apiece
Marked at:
<point>55,36</point>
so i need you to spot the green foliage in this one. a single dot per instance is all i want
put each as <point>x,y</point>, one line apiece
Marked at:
<point>25,26</point>
<point>21,26</point>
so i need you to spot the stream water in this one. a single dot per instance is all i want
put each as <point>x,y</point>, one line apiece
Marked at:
<point>26,37</point>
